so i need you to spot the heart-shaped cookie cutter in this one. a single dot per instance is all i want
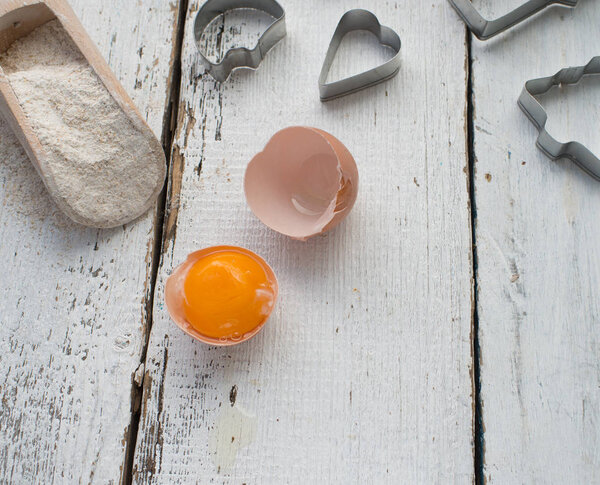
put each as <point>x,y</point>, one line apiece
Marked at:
<point>239,56</point>
<point>574,151</point>
<point>359,20</point>
<point>485,29</point>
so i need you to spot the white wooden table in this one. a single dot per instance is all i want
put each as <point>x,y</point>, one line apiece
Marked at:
<point>448,331</point>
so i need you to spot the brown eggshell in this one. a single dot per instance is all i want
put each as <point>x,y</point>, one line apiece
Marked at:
<point>303,183</point>
<point>174,294</point>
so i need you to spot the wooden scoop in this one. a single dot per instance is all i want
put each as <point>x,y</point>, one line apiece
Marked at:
<point>18,18</point>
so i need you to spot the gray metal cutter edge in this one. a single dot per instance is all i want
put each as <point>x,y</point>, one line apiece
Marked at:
<point>239,56</point>
<point>351,21</point>
<point>484,29</point>
<point>573,150</point>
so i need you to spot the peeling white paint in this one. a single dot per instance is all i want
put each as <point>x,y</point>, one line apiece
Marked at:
<point>235,429</point>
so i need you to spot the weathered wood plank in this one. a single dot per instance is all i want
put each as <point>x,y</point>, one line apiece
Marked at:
<point>538,260</point>
<point>363,373</point>
<point>72,310</point>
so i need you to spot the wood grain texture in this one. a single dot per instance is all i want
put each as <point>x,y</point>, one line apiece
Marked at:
<point>363,373</point>
<point>72,311</point>
<point>538,272</point>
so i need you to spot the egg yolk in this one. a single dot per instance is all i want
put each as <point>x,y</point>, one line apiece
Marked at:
<point>227,294</point>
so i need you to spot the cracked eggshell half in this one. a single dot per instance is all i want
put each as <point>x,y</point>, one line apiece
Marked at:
<point>303,183</point>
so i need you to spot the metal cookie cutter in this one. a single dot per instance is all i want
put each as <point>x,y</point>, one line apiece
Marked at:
<point>572,150</point>
<point>484,29</point>
<point>351,21</point>
<point>239,56</point>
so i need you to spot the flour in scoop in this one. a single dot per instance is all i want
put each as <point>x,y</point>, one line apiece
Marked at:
<point>99,164</point>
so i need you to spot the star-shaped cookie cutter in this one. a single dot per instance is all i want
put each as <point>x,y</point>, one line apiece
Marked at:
<point>574,151</point>
<point>485,29</point>
<point>239,56</point>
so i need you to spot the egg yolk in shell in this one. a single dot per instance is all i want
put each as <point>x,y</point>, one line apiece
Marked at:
<point>227,294</point>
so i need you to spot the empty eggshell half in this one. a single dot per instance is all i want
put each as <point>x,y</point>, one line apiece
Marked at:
<point>303,183</point>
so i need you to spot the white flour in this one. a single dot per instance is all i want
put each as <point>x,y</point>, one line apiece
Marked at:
<point>103,167</point>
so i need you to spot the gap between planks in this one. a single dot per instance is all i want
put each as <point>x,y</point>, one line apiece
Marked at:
<point>478,424</point>
<point>170,123</point>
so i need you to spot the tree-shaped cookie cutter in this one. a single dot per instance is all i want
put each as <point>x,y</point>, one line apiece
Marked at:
<point>239,56</point>
<point>574,151</point>
<point>484,29</point>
